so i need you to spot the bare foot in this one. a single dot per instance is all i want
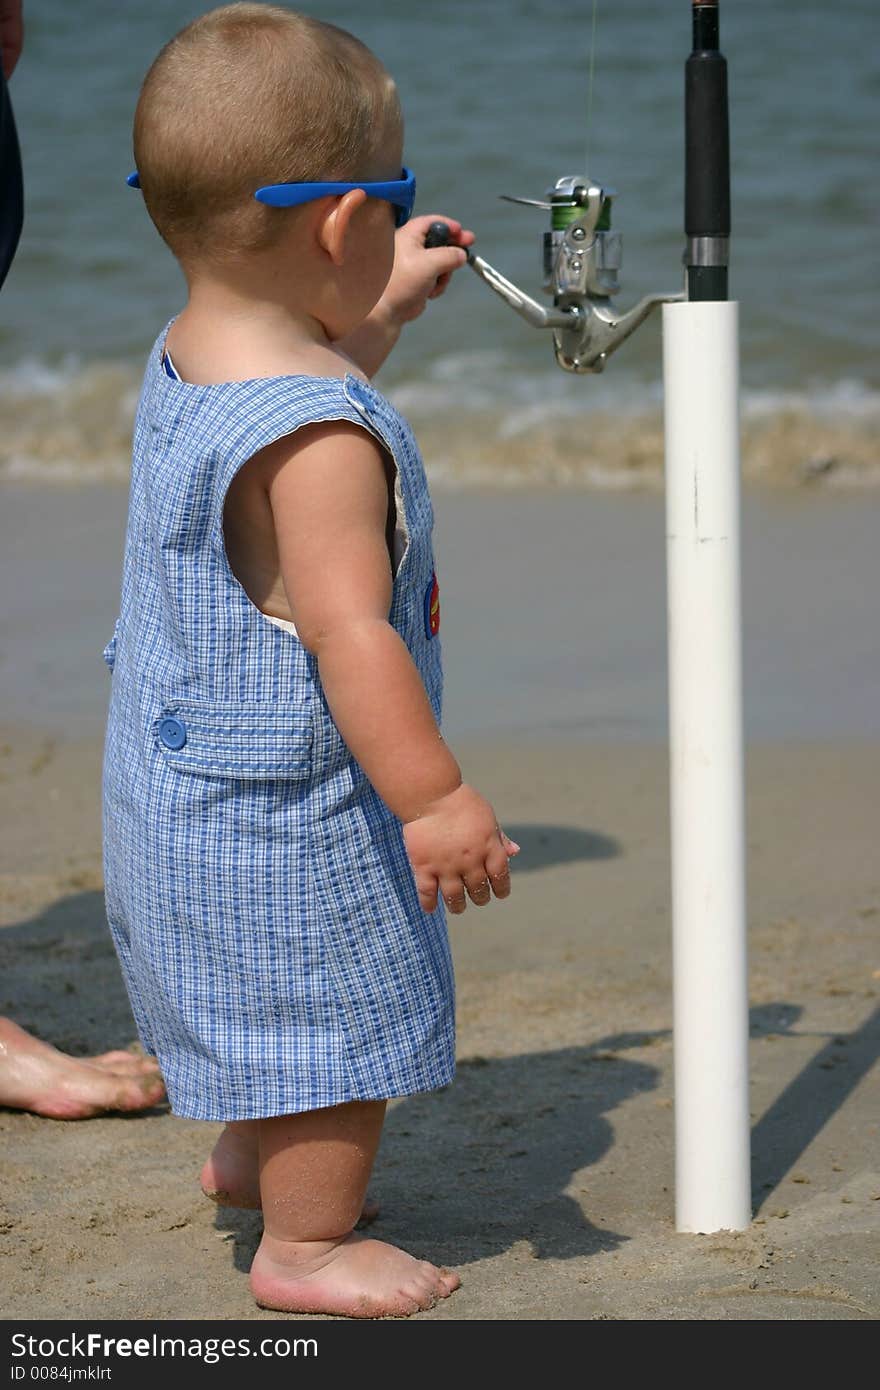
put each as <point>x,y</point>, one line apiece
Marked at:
<point>357,1277</point>
<point>231,1176</point>
<point>39,1078</point>
<point>129,1063</point>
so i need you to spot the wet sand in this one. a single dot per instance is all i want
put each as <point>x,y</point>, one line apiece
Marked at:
<point>553,612</point>
<point>545,1173</point>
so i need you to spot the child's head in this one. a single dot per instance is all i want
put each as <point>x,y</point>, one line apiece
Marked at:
<point>249,95</point>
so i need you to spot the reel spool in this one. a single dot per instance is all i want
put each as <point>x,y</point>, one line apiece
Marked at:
<point>581,258</point>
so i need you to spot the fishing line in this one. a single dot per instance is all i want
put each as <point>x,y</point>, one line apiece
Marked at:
<point>590,83</point>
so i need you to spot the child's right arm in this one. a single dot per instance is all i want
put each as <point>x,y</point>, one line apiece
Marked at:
<point>328,493</point>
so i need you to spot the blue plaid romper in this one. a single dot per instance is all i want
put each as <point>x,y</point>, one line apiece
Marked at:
<point>257,888</point>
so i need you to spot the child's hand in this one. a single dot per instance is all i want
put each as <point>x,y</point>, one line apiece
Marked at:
<point>421,274</point>
<point>457,844</point>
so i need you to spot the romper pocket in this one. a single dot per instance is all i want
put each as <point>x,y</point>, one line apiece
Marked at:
<point>251,739</point>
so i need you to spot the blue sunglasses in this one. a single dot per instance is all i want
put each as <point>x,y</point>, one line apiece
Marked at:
<point>400,192</point>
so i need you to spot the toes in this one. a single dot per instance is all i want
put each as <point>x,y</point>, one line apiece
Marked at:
<point>411,1303</point>
<point>138,1095</point>
<point>448,1281</point>
<point>111,1059</point>
<point>125,1064</point>
<point>441,1282</point>
<point>421,1293</point>
<point>212,1188</point>
<point>146,1066</point>
<point>85,1096</point>
<point>222,1197</point>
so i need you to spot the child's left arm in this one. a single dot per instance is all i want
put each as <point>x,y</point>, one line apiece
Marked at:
<point>419,274</point>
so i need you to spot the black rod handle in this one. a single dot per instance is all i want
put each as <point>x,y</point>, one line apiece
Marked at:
<point>438,234</point>
<point>707,159</point>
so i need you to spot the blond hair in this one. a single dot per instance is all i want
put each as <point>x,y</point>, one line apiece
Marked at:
<point>246,95</point>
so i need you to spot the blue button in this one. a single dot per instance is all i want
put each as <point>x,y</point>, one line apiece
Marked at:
<point>172,732</point>
<point>357,392</point>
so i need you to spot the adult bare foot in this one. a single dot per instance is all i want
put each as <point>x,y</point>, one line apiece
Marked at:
<point>231,1176</point>
<point>356,1277</point>
<point>126,1062</point>
<point>37,1077</point>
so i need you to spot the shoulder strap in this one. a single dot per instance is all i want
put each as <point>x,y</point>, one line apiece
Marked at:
<point>260,412</point>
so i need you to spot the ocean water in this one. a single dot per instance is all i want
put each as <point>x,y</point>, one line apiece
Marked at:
<point>496,100</point>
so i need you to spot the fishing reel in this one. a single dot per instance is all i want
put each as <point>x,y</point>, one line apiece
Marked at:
<point>581,260</point>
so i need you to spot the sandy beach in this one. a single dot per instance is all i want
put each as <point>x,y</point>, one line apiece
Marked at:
<point>545,1173</point>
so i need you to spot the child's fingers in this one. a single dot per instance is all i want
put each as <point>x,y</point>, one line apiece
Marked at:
<point>418,227</point>
<point>446,259</point>
<point>445,276</point>
<point>458,235</point>
<point>501,883</point>
<point>453,894</point>
<point>427,887</point>
<point>440,286</point>
<point>498,873</point>
<point>510,845</point>
<point>478,887</point>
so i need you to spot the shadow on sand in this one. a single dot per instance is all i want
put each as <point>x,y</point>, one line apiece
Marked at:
<point>542,846</point>
<point>486,1163</point>
<point>803,1109</point>
<point>468,1172</point>
<point>60,977</point>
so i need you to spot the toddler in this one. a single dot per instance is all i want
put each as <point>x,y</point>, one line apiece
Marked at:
<point>282,818</point>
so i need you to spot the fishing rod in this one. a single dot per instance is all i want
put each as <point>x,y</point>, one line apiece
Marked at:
<point>706,160</point>
<point>582,255</point>
<point>581,259</point>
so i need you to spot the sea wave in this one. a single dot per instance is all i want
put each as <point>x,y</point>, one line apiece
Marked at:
<point>482,423</point>
<point>66,424</point>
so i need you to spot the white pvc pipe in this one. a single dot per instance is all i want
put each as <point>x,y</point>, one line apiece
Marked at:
<point>712,1165</point>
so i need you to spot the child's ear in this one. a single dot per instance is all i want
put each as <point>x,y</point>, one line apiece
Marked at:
<point>334,229</point>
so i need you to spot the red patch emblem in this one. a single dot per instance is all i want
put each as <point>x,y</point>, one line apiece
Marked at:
<point>432,608</point>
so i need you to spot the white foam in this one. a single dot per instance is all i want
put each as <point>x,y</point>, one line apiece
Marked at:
<point>483,423</point>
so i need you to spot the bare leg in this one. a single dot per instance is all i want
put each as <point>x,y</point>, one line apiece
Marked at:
<point>39,1078</point>
<point>314,1170</point>
<point>231,1176</point>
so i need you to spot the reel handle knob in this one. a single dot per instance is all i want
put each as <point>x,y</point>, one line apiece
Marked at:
<point>438,234</point>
